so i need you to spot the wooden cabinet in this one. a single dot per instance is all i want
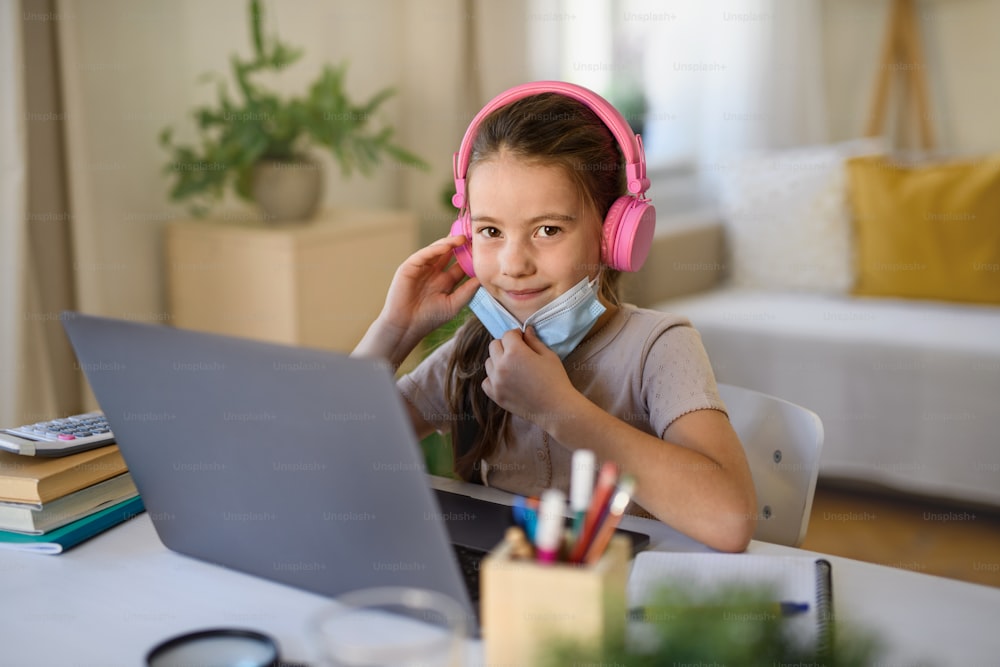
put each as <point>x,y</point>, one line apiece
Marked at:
<point>318,284</point>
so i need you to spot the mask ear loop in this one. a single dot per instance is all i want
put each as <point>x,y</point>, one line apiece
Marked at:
<point>602,266</point>
<point>610,298</point>
<point>599,284</point>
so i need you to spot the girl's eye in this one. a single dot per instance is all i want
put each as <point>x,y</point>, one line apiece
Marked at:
<point>490,232</point>
<point>548,230</point>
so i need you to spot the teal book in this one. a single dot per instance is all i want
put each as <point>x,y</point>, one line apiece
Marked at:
<point>61,539</point>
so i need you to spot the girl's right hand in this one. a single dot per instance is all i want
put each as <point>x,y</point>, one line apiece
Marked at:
<point>424,294</point>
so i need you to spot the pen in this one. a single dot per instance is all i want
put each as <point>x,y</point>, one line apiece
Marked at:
<point>654,613</point>
<point>581,488</point>
<point>623,494</point>
<point>606,479</point>
<point>549,533</point>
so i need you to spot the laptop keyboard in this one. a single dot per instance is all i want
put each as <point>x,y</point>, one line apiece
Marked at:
<point>470,561</point>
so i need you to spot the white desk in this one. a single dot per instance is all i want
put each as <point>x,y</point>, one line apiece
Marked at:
<point>108,601</point>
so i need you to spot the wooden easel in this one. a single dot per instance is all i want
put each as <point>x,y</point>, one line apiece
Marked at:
<point>902,52</point>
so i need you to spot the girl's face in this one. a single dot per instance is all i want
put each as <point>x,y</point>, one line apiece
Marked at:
<point>533,236</point>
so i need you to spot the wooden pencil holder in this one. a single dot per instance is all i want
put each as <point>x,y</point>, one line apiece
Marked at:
<point>526,605</point>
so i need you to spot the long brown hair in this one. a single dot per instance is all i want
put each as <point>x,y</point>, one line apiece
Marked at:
<point>546,129</point>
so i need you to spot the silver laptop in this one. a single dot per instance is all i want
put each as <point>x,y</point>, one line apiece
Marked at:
<point>291,464</point>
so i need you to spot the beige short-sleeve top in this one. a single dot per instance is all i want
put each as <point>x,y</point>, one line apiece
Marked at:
<point>645,367</point>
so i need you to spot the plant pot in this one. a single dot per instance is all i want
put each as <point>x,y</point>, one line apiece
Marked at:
<point>287,191</point>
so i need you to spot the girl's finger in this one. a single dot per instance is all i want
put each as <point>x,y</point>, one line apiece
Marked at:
<point>533,341</point>
<point>463,293</point>
<point>456,272</point>
<point>440,262</point>
<point>440,248</point>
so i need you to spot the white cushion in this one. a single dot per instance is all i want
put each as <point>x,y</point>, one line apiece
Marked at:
<point>921,325</point>
<point>787,218</point>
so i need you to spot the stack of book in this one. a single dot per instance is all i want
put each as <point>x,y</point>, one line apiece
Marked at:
<point>48,505</point>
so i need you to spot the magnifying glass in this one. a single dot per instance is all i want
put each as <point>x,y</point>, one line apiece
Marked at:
<point>218,647</point>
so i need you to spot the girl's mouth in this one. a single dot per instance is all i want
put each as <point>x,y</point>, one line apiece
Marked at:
<point>523,294</point>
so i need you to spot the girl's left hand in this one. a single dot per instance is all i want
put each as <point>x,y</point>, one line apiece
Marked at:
<point>525,377</point>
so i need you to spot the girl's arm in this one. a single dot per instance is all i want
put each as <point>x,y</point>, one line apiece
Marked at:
<point>695,479</point>
<point>425,293</point>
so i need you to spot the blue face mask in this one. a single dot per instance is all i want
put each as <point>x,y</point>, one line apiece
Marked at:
<point>560,324</point>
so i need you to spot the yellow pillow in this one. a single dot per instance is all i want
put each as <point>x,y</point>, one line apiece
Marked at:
<point>927,232</point>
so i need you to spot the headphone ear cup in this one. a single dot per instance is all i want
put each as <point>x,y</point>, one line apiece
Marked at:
<point>628,233</point>
<point>463,253</point>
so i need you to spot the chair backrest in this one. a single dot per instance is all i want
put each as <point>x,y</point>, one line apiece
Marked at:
<point>782,441</point>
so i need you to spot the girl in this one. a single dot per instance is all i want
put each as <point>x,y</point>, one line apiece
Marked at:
<point>633,385</point>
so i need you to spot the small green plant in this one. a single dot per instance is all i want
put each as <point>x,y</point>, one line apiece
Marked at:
<point>731,626</point>
<point>261,125</point>
<point>437,447</point>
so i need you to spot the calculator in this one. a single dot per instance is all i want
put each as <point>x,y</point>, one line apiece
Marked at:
<point>58,437</point>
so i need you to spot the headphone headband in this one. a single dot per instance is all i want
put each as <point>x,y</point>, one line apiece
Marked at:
<point>630,143</point>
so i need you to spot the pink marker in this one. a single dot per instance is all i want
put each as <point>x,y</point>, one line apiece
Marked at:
<point>551,517</point>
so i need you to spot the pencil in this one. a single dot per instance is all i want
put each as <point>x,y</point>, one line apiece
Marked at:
<point>626,487</point>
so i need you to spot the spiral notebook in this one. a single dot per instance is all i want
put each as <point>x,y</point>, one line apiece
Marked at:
<point>804,582</point>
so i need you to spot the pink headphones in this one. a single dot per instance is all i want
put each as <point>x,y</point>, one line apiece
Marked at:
<point>629,224</point>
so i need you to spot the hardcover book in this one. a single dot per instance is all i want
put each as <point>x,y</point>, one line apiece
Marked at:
<point>27,479</point>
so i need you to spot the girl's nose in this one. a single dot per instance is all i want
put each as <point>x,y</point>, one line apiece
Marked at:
<point>516,259</point>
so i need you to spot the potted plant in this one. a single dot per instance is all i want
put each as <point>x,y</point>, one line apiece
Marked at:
<point>257,142</point>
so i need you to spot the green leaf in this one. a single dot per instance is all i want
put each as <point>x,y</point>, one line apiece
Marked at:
<point>256,17</point>
<point>377,101</point>
<point>405,157</point>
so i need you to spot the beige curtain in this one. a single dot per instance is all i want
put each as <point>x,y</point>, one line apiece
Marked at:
<point>13,207</point>
<point>41,379</point>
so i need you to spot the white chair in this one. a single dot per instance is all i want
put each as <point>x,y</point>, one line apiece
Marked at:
<point>782,441</point>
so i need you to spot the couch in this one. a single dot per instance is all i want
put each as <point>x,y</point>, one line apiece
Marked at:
<point>908,389</point>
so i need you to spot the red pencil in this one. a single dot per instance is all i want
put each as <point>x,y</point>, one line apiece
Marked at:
<point>606,480</point>
<point>626,487</point>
